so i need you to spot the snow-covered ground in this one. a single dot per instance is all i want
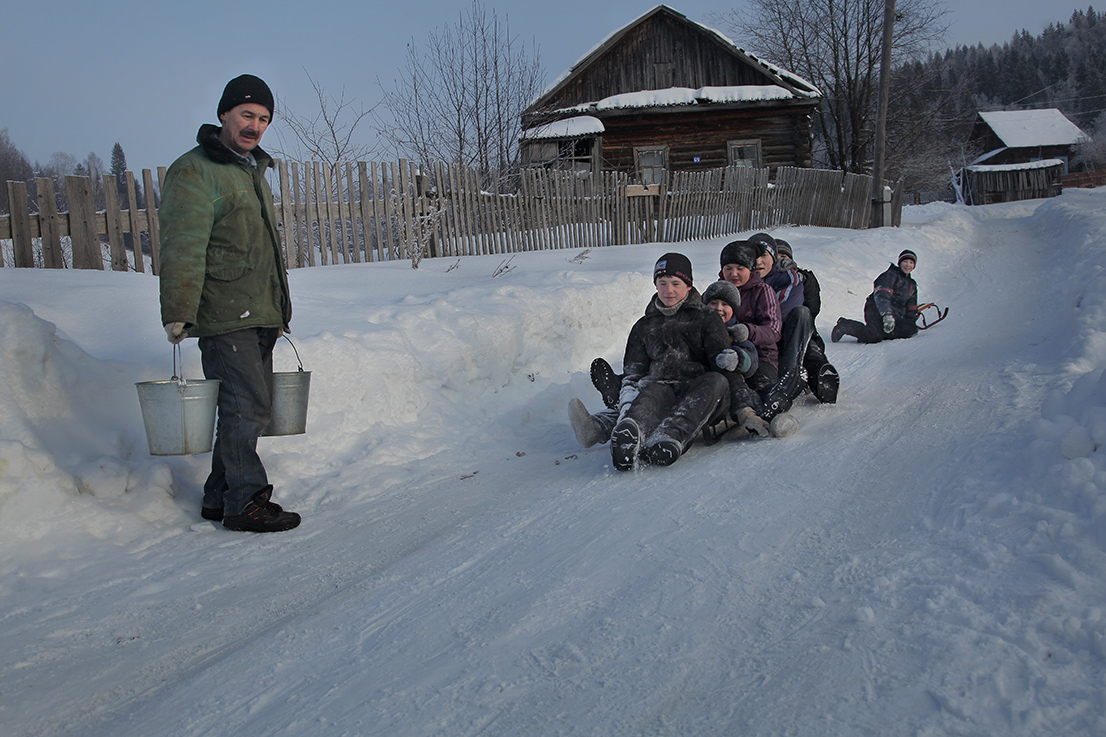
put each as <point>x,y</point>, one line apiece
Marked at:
<point>925,557</point>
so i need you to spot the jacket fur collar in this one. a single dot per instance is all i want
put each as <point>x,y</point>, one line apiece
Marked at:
<point>216,150</point>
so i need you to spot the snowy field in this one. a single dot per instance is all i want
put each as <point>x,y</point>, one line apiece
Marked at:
<point>926,557</point>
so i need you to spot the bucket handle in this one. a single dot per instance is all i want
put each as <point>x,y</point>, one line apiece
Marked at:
<point>298,360</point>
<point>178,358</point>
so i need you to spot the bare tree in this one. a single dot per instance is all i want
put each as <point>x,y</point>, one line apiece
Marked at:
<point>460,97</point>
<point>927,129</point>
<point>329,136</point>
<point>1092,151</point>
<point>13,166</point>
<point>93,168</point>
<point>836,45</point>
<point>59,166</point>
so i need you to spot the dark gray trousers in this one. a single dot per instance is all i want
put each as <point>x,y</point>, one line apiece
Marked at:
<point>660,410</point>
<point>242,361</point>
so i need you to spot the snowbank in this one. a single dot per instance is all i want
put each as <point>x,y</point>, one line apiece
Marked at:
<point>925,557</point>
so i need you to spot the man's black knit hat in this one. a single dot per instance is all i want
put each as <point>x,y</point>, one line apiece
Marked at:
<point>243,89</point>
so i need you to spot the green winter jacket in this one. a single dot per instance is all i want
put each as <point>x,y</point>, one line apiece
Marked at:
<point>221,264</point>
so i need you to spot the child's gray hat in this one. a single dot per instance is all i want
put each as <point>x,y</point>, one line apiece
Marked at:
<point>724,291</point>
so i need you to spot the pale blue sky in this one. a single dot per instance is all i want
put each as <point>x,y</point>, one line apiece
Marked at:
<point>147,74</point>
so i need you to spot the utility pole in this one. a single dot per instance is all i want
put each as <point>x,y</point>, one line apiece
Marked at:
<point>881,115</point>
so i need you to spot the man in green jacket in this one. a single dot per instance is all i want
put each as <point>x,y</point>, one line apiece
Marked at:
<point>223,281</point>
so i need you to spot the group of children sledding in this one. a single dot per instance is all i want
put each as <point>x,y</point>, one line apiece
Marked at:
<point>741,352</point>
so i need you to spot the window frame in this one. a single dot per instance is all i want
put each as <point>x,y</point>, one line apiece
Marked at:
<point>639,171</point>
<point>744,143</point>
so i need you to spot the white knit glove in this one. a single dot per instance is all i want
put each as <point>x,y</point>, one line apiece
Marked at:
<point>175,332</point>
<point>888,323</point>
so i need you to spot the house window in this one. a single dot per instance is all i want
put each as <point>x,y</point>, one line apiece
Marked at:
<point>570,154</point>
<point>650,163</point>
<point>541,153</point>
<point>744,153</point>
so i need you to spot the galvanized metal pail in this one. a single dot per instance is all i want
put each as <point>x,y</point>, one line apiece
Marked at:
<point>179,415</point>
<point>290,395</point>
<point>290,391</point>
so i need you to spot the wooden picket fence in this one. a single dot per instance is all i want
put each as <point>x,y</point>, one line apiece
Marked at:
<point>369,211</point>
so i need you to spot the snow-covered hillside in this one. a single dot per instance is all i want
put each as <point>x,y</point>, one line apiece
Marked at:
<point>926,557</point>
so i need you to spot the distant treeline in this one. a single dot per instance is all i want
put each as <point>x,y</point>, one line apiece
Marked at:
<point>935,101</point>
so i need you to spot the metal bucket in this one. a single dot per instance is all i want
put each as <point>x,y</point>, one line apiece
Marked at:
<point>290,390</point>
<point>179,415</point>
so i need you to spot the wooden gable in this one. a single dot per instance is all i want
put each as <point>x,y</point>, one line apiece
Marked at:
<point>660,50</point>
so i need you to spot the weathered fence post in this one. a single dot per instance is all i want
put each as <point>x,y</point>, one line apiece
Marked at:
<point>286,207</point>
<point>112,214</point>
<point>302,223</point>
<point>49,224</point>
<point>135,226</point>
<point>82,224</point>
<point>351,213</point>
<point>151,221</point>
<point>21,225</point>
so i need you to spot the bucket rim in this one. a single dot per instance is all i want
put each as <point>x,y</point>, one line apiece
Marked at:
<point>176,381</point>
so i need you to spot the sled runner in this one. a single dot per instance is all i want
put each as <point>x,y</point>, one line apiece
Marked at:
<point>713,433</point>
<point>941,315</point>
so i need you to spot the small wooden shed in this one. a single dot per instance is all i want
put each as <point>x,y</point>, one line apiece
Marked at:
<point>666,93</point>
<point>987,184</point>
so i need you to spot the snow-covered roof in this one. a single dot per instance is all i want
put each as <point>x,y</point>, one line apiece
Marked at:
<point>1023,128</point>
<point>743,93</point>
<point>687,96</point>
<point>581,125</point>
<point>1039,164</point>
<point>670,97</point>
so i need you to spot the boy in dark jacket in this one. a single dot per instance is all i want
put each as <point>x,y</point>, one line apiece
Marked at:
<point>672,385</point>
<point>797,326</point>
<point>891,309</point>
<point>821,376</point>
<point>799,349</point>
<point>739,362</point>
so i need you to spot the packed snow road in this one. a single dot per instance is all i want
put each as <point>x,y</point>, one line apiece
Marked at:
<point>895,568</point>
